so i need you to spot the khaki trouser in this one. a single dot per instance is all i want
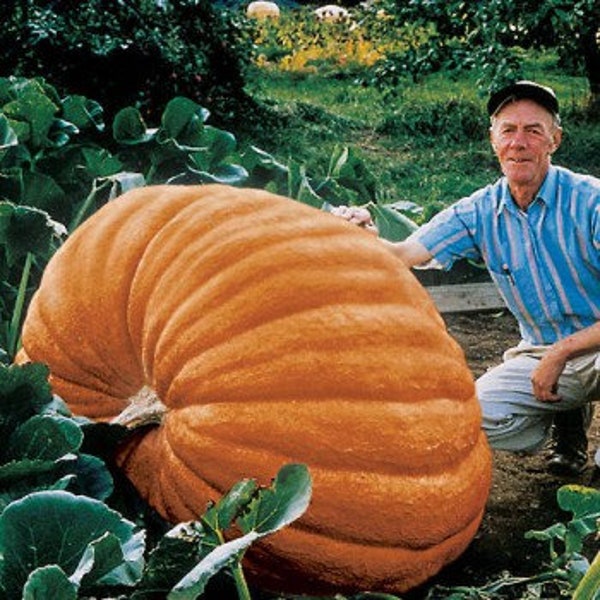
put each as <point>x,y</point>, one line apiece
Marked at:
<point>513,418</point>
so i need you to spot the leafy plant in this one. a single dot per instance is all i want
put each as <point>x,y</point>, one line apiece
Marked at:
<point>487,37</point>
<point>391,220</point>
<point>59,164</point>
<point>569,571</point>
<point>42,442</point>
<point>60,539</point>
<point>57,544</point>
<point>566,541</point>
<point>258,513</point>
<point>139,53</point>
<point>26,234</point>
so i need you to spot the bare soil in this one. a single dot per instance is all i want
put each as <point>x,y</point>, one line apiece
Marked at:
<point>523,495</point>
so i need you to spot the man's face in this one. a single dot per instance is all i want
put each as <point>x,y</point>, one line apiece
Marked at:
<point>524,136</point>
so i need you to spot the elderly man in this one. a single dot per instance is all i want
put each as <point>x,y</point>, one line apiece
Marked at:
<point>537,229</point>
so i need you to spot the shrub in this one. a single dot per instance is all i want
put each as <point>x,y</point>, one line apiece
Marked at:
<point>140,53</point>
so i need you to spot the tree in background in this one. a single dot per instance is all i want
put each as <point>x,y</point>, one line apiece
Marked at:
<point>483,35</point>
<point>573,28</point>
<point>133,52</point>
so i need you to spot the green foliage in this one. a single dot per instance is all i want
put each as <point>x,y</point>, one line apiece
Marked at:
<point>391,222</point>
<point>60,539</point>
<point>73,536</point>
<point>258,513</point>
<point>584,504</point>
<point>139,53</point>
<point>487,38</point>
<point>59,163</point>
<point>568,569</point>
<point>42,443</point>
<point>453,120</point>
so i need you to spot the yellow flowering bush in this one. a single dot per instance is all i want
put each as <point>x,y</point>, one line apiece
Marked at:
<point>299,42</point>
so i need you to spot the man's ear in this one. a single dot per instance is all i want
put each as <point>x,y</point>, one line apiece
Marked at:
<point>556,138</point>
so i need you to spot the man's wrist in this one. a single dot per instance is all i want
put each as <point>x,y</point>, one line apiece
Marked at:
<point>561,350</point>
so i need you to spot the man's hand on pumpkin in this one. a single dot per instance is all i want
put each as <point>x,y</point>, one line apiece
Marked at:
<point>356,215</point>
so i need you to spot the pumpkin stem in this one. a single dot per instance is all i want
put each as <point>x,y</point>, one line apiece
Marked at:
<point>145,408</point>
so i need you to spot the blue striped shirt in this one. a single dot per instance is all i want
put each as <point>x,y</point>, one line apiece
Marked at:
<point>545,261</point>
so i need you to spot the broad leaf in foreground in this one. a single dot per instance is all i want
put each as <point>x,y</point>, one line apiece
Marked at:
<point>75,533</point>
<point>270,509</point>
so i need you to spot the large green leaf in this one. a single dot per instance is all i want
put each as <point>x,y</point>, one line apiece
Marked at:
<point>8,137</point>
<point>101,556</point>
<point>270,510</point>
<point>81,474</point>
<point>392,224</point>
<point>44,437</point>
<point>61,132</point>
<point>255,157</point>
<point>44,192</point>
<point>24,392</point>
<point>175,555</point>
<point>83,112</point>
<point>194,583</point>
<point>333,192</point>
<point>34,107</point>
<point>76,533</point>
<point>13,159</point>
<point>23,470</point>
<point>220,144</point>
<point>100,560</point>
<point>232,504</point>
<point>21,478</point>
<point>579,500</point>
<point>183,120</point>
<point>129,127</point>
<point>226,174</point>
<point>350,171</point>
<point>283,502</point>
<point>93,477</point>
<point>584,503</point>
<point>25,229</point>
<point>49,583</point>
<point>184,130</point>
<point>300,187</point>
<point>98,162</point>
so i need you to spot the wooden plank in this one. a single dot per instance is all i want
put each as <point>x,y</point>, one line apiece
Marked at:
<point>466,297</point>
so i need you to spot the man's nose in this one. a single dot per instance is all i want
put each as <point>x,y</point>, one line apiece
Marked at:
<point>519,139</point>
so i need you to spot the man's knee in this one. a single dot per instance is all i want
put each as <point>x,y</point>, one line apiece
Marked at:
<point>516,433</point>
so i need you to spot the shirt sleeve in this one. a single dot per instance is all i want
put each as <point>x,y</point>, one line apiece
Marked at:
<point>450,235</point>
<point>596,222</point>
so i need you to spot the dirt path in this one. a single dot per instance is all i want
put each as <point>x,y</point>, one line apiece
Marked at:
<point>523,495</point>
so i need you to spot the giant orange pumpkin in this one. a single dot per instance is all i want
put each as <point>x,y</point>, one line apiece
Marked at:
<point>259,331</point>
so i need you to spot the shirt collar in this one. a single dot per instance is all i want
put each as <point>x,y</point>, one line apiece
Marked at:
<point>546,192</point>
